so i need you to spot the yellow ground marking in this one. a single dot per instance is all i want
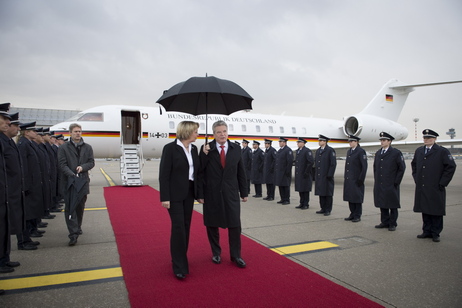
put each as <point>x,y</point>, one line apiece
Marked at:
<point>108,178</point>
<point>291,249</point>
<point>57,279</point>
<point>95,208</point>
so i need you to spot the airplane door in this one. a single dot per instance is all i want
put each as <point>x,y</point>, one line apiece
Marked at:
<point>131,127</point>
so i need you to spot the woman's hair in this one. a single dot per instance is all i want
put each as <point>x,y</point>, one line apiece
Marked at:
<point>185,129</point>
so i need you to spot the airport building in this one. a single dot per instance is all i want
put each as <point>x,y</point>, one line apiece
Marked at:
<point>43,117</point>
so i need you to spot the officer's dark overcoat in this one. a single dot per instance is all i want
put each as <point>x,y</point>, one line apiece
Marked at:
<point>257,167</point>
<point>283,167</point>
<point>325,164</point>
<point>268,167</point>
<point>303,165</point>
<point>354,176</point>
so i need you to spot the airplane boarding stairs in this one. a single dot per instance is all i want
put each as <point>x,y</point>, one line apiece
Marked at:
<point>131,165</point>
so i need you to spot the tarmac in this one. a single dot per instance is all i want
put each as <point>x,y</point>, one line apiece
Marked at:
<point>394,269</point>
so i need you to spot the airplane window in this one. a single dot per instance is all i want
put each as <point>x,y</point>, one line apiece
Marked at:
<point>281,129</point>
<point>244,128</point>
<point>91,116</point>
<point>171,125</point>
<point>231,127</point>
<point>294,130</point>
<point>304,130</point>
<point>258,128</point>
<point>270,129</point>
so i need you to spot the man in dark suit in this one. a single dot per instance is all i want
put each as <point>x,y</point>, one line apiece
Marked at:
<point>222,180</point>
<point>324,177</point>
<point>257,169</point>
<point>389,170</point>
<point>354,176</point>
<point>268,170</point>
<point>283,170</point>
<point>303,181</point>
<point>432,169</point>
<point>247,161</point>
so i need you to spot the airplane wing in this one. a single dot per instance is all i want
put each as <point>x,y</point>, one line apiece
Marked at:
<point>403,146</point>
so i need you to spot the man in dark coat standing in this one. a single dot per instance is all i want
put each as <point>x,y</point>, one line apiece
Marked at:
<point>389,170</point>
<point>75,159</point>
<point>222,180</point>
<point>283,171</point>
<point>247,161</point>
<point>256,176</point>
<point>325,162</point>
<point>354,176</point>
<point>268,170</point>
<point>432,169</point>
<point>303,181</point>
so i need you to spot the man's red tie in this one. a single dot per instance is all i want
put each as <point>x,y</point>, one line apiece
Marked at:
<point>222,156</point>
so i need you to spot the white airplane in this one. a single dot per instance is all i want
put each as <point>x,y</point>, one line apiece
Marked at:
<point>114,130</point>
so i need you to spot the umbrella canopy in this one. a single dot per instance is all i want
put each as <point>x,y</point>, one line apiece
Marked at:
<point>206,95</point>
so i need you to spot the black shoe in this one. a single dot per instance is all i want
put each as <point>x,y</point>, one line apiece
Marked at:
<point>180,276</point>
<point>424,235</point>
<point>270,199</point>
<point>216,259</point>
<point>280,201</point>
<point>13,264</point>
<point>34,243</point>
<point>80,232</point>
<point>239,262</point>
<point>49,216</point>
<point>257,196</point>
<point>73,241</point>
<point>6,269</point>
<point>285,203</point>
<point>391,228</point>
<point>266,198</point>
<point>356,220</point>
<point>305,207</point>
<point>381,226</point>
<point>349,218</point>
<point>42,225</point>
<point>56,210</point>
<point>36,234</point>
<point>326,213</point>
<point>320,212</point>
<point>299,206</point>
<point>27,246</point>
<point>40,231</point>
<point>436,238</point>
<point>2,291</point>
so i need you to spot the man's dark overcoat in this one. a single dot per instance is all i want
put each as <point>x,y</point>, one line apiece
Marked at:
<point>388,172</point>
<point>46,170</point>
<point>268,166</point>
<point>283,167</point>
<point>257,167</point>
<point>15,177</point>
<point>221,188</point>
<point>247,160</point>
<point>432,172</point>
<point>4,232</point>
<point>303,165</point>
<point>354,176</point>
<point>70,157</point>
<point>32,178</point>
<point>325,164</point>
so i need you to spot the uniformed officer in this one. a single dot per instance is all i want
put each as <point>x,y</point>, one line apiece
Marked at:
<point>257,168</point>
<point>389,170</point>
<point>283,170</point>
<point>246,154</point>
<point>354,176</point>
<point>432,168</point>
<point>303,166</point>
<point>268,170</point>
<point>325,163</point>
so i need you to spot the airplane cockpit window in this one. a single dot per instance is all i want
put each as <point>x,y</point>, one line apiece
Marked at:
<point>244,128</point>
<point>231,127</point>
<point>258,128</point>
<point>90,116</point>
<point>171,125</point>
<point>294,130</point>
<point>281,129</point>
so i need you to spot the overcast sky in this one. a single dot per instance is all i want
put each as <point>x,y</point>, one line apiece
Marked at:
<point>316,58</point>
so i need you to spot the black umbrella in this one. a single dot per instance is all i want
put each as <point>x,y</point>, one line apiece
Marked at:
<point>74,186</point>
<point>206,95</point>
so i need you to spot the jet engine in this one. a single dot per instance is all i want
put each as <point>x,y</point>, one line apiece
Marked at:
<point>368,127</point>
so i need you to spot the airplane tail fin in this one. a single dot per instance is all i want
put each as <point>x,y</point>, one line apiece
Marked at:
<point>389,101</point>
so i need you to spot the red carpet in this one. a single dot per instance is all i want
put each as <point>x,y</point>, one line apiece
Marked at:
<point>142,230</point>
